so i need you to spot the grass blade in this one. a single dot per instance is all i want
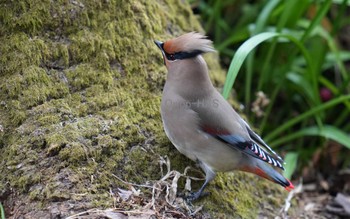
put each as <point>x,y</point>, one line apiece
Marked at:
<point>327,131</point>
<point>240,56</point>
<point>2,211</point>
<point>305,115</point>
<point>291,160</point>
<point>317,19</point>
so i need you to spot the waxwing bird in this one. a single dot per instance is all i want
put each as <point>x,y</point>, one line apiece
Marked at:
<point>202,124</point>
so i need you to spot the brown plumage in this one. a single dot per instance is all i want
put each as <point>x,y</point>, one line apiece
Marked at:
<point>201,123</point>
<point>188,42</point>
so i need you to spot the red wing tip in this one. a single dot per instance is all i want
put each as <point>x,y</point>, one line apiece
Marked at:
<point>290,187</point>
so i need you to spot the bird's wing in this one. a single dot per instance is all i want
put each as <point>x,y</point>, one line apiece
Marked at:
<point>259,140</point>
<point>248,147</point>
<point>223,123</point>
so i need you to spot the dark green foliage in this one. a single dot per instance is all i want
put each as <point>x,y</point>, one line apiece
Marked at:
<point>300,66</point>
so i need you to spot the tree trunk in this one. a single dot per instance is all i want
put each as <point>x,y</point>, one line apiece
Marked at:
<point>80,92</point>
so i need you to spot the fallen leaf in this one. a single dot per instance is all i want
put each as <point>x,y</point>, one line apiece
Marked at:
<point>124,194</point>
<point>343,201</point>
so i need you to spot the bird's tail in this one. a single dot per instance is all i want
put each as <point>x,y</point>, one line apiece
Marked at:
<point>267,172</point>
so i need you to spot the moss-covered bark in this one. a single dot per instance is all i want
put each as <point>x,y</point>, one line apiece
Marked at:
<point>79,101</point>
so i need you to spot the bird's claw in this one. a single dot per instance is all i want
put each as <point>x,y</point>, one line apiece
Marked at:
<point>193,196</point>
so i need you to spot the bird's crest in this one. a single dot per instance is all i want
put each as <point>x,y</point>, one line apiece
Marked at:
<point>189,42</point>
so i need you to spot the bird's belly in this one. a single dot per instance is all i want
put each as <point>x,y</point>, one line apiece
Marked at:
<point>179,144</point>
<point>220,157</point>
<point>216,154</point>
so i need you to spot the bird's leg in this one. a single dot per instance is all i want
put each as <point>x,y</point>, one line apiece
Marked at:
<point>195,195</point>
<point>209,176</point>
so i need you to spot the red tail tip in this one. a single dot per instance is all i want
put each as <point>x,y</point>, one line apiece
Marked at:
<point>290,187</point>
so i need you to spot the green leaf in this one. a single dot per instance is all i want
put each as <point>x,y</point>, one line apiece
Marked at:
<point>301,117</point>
<point>327,131</point>
<point>248,46</point>
<point>317,19</point>
<point>330,132</point>
<point>240,56</point>
<point>291,160</point>
<point>303,84</point>
<point>264,15</point>
<point>2,212</point>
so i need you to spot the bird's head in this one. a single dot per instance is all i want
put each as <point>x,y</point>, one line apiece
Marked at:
<point>186,46</point>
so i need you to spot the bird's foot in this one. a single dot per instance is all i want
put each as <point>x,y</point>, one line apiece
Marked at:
<point>193,196</point>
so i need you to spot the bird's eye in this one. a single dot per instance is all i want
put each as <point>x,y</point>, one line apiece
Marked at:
<point>171,57</point>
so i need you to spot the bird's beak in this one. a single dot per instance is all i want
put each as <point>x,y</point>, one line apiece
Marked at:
<point>159,44</point>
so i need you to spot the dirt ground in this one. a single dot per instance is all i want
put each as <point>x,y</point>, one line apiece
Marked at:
<point>324,185</point>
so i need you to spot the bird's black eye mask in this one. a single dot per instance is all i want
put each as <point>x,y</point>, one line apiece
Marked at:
<point>181,55</point>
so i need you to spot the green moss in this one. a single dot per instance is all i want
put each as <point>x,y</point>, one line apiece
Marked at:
<point>35,194</point>
<point>19,52</point>
<point>26,180</point>
<point>16,115</point>
<point>53,193</point>
<point>74,152</point>
<point>229,193</point>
